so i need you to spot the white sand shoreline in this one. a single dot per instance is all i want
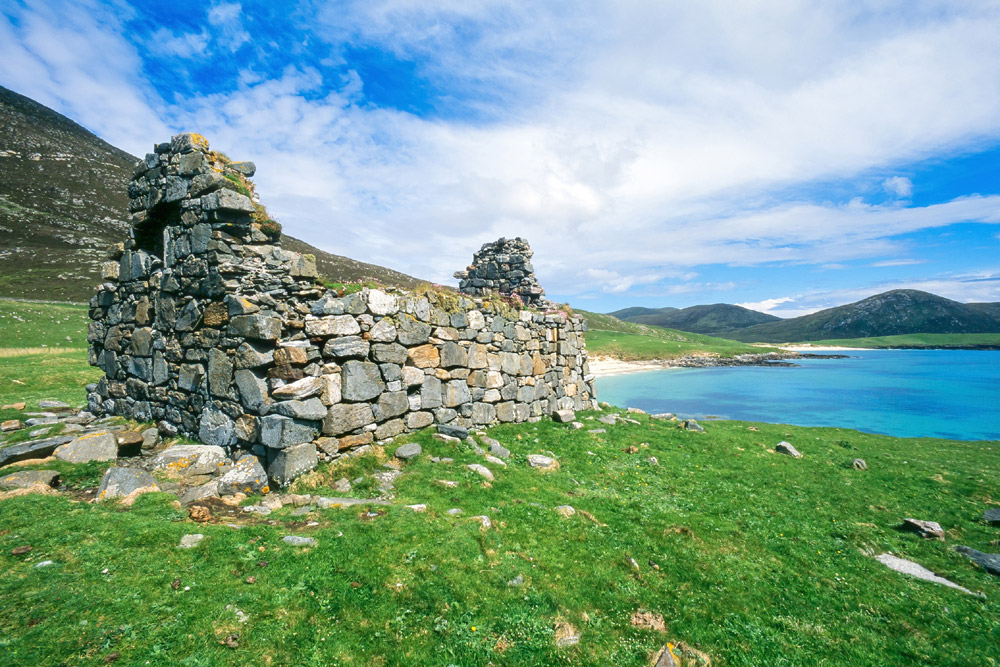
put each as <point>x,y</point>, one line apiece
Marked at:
<point>604,366</point>
<point>821,348</point>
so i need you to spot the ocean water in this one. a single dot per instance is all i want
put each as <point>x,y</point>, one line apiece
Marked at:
<point>907,393</point>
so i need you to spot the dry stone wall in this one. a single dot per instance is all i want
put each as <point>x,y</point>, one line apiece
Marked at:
<point>503,267</point>
<point>208,327</point>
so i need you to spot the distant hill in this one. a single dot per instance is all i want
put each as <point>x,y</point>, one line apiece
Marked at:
<point>717,319</point>
<point>63,202</point>
<point>626,314</point>
<point>889,314</point>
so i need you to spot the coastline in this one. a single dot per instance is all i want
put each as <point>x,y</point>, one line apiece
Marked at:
<point>603,366</point>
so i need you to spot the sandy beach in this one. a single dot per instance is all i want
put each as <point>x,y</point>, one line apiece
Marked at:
<point>820,348</point>
<point>601,366</point>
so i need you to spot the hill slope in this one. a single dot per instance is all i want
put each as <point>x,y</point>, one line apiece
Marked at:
<point>889,314</point>
<point>715,319</point>
<point>63,202</point>
<point>636,311</point>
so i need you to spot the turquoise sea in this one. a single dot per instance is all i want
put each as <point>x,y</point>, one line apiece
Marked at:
<point>908,393</point>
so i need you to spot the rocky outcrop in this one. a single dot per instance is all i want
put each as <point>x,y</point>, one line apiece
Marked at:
<point>207,326</point>
<point>503,267</point>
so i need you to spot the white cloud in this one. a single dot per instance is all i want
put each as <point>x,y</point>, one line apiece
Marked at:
<point>897,262</point>
<point>767,305</point>
<point>899,186</point>
<point>184,45</point>
<point>656,149</point>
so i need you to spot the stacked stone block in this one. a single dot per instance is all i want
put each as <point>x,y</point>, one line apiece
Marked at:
<point>503,267</point>
<point>209,328</point>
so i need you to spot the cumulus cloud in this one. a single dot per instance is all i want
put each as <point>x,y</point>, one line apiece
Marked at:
<point>767,305</point>
<point>668,144</point>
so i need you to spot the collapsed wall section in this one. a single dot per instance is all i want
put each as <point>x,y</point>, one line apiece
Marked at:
<point>208,327</point>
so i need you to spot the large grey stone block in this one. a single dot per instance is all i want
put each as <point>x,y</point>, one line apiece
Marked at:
<point>292,462</point>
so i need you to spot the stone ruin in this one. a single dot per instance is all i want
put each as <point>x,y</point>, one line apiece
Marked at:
<point>206,326</point>
<point>503,267</point>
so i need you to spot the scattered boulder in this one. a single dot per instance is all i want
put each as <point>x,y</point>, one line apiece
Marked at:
<point>566,635</point>
<point>292,462</point>
<point>14,406</point>
<point>692,425</point>
<point>926,529</point>
<point>454,431</point>
<point>187,461</point>
<point>989,562</point>
<point>150,441</point>
<point>859,464</point>
<point>481,470</point>
<point>786,448</point>
<point>610,420</point>
<point>100,446</point>
<point>912,569</point>
<point>484,521</point>
<point>664,416</point>
<point>36,449</point>
<point>647,620</point>
<point>190,540</point>
<point>11,425</point>
<point>342,485</point>
<point>564,416</point>
<point>410,450</point>
<point>25,479</point>
<point>565,511</point>
<point>992,516</point>
<point>126,483</point>
<point>544,463</point>
<point>49,405</point>
<point>195,493</point>
<point>495,461</point>
<point>496,449</point>
<point>296,541</point>
<point>246,476</point>
<point>129,443</point>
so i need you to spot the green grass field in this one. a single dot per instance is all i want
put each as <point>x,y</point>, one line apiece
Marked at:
<point>609,336</point>
<point>929,341</point>
<point>751,557</point>
<point>43,353</point>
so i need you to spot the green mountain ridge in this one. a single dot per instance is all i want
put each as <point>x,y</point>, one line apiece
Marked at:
<point>892,313</point>
<point>63,202</point>
<point>714,320</point>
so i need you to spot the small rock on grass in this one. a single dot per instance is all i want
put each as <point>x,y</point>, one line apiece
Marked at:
<point>859,464</point>
<point>481,470</point>
<point>495,461</point>
<point>992,516</point>
<point>190,540</point>
<point>14,406</point>
<point>25,479</point>
<point>100,446</point>
<point>912,569</point>
<point>989,562</point>
<point>566,635</point>
<point>297,541</point>
<point>926,529</point>
<point>692,425</point>
<point>786,448</point>
<point>484,521</point>
<point>410,450</point>
<point>45,563</point>
<point>565,511</point>
<point>342,485</point>
<point>417,508</point>
<point>11,425</point>
<point>564,416</point>
<point>541,462</point>
<point>125,483</point>
<point>516,581</point>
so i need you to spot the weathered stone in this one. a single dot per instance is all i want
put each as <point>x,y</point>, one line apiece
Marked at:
<point>390,429</point>
<point>346,417</point>
<point>410,450</point>
<point>913,569</point>
<point>100,446</point>
<point>216,428</point>
<point>253,392</point>
<point>25,479</point>
<point>424,356</point>
<point>190,540</point>
<point>247,356</point>
<point>992,516</point>
<point>292,462</point>
<point>389,353</point>
<point>787,448</point>
<point>383,332</point>
<point>125,482</point>
<point>411,333</point>
<point>564,416</point>
<point>361,381</point>
<point>380,303</point>
<point>280,432</point>
<point>989,562</point>
<point>335,325</point>
<point>311,408</point>
<point>926,529</point>
<point>481,470</point>
<point>692,425</point>
<point>300,389</point>
<point>348,346</point>
<point>859,464</point>
<point>456,392</point>
<point>297,541</point>
<point>256,327</point>
<point>186,461</point>
<point>542,462</point>
<point>331,392</point>
<point>391,404</point>
<point>220,372</point>
<point>453,431</point>
<point>11,425</point>
<point>419,420</point>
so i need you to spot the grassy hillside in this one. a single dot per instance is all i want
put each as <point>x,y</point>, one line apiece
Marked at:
<point>716,319</point>
<point>63,203</point>
<point>609,336</point>
<point>898,312</point>
<point>918,341</point>
<point>783,576</point>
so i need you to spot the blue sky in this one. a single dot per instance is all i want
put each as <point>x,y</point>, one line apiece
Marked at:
<point>786,156</point>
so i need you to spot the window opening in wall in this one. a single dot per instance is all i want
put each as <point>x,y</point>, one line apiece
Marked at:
<point>149,235</point>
